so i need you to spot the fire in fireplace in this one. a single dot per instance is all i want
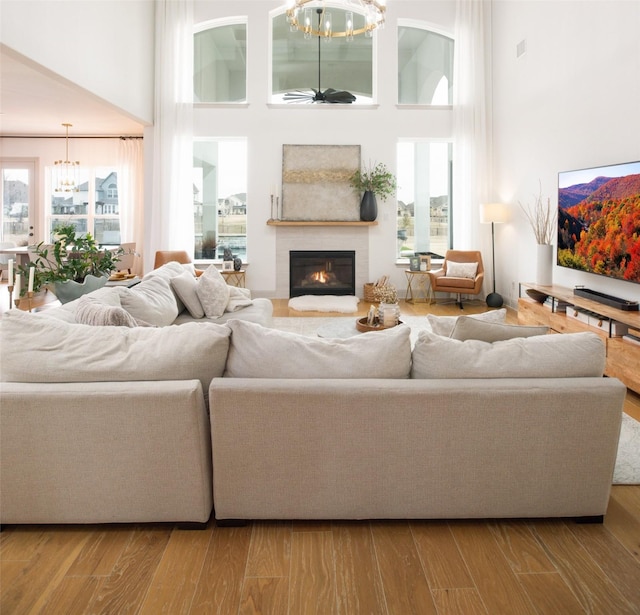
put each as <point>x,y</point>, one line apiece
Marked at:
<point>322,272</point>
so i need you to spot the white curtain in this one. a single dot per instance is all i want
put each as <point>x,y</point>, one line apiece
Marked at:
<point>472,163</point>
<point>169,223</point>
<point>131,195</point>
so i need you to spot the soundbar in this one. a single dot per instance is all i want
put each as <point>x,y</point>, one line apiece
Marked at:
<point>594,295</point>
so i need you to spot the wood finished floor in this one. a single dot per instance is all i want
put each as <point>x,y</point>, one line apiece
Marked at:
<point>492,567</point>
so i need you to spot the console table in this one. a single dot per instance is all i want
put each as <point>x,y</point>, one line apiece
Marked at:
<point>557,313</point>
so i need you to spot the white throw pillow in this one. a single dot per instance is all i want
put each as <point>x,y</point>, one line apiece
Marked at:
<point>185,287</point>
<point>259,352</point>
<point>213,292</point>
<point>573,355</point>
<point>151,301</point>
<point>47,350</point>
<point>467,328</point>
<point>168,271</point>
<point>90,311</point>
<point>443,325</point>
<point>461,270</point>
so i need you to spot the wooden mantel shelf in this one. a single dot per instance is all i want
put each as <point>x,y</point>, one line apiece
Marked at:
<point>272,222</point>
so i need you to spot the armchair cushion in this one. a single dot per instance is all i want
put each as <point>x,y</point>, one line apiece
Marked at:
<point>461,270</point>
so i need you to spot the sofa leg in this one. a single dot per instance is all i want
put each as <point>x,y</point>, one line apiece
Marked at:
<point>232,522</point>
<point>592,519</point>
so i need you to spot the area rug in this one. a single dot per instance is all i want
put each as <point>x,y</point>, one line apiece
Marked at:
<point>627,468</point>
<point>347,304</point>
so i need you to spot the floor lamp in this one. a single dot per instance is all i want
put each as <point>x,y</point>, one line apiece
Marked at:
<point>494,213</point>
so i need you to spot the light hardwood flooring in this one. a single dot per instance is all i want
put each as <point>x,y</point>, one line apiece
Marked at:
<point>494,567</point>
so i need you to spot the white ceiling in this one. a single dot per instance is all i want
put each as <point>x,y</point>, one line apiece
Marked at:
<point>36,102</point>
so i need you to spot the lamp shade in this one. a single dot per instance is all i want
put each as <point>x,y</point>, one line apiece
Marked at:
<point>493,212</point>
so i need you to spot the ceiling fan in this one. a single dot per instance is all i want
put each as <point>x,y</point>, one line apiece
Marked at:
<point>330,95</point>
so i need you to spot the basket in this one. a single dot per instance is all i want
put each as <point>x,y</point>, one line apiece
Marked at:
<point>368,292</point>
<point>363,327</point>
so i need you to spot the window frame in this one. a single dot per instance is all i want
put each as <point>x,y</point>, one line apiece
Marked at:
<point>404,22</point>
<point>273,103</point>
<point>220,23</point>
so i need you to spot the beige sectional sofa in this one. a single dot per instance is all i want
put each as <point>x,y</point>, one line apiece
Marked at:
<point>142,424</point>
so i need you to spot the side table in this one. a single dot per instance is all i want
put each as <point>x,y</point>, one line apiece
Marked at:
<point>235,278</point>
<point>422,293</point>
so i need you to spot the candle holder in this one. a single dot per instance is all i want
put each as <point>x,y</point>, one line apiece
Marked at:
<point>277,208</point>
<point>272,217</point>
<point>25,303</point>
<point>10,296</point>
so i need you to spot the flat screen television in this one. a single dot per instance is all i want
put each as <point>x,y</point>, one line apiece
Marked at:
<point>599,220</point>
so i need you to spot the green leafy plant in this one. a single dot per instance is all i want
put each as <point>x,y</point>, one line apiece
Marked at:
<point>375,178</point>
<point>70,257</point>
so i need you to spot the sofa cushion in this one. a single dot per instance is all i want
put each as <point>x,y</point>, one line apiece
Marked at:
<point>258,352</point>
<point>168,271</point>
<point>47,350</point>
<point>213,292</point>
<point>572,355</point>
<point>151,301</point>
<point>185,286</point>
<point>467,328</point>
<point>461,270</point>
<point>443,325</point>
<point>91,311</point>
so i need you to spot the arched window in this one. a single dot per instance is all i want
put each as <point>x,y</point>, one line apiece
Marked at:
<point>220,61</point>
<point>303,64</point>
<point>425,65</point>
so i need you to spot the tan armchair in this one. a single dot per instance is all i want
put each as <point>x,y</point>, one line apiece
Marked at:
<point>441,282</point>
<point>166,256</point>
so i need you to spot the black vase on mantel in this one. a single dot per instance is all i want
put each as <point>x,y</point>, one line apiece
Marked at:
<point>368,207</point>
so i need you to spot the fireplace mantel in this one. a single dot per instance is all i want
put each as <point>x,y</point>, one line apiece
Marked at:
<point>272,222</point>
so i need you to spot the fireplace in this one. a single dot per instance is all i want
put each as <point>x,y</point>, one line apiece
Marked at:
<point>322,272</point>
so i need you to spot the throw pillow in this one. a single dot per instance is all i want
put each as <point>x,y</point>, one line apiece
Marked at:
<point>573,355</point>
<point>185,286</point>
<point>168,271</point>
<point>90,311</point>
<point>443,325</point>
<point>259,352</point>
<point>467,328</point>
<point>461,270</point>
<point>151,301</point>
<point>213,292</point>
<point>47,350</point>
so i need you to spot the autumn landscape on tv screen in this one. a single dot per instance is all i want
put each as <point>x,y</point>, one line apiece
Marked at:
<point>599,221</point>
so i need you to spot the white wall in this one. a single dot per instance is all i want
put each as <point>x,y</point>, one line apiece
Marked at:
<point>267,128</point>
<point>571,101</point>
<point>105,47</point>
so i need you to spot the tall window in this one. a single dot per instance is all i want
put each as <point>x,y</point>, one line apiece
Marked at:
<point>220,197</point>
<point>220,62</point>
<point>424,197</point>
<point>425,67</point>
<point>304,64</point>
<point>93,208</point>
<point>18,202</point>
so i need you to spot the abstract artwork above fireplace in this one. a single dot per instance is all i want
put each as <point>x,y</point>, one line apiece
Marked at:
<point>315,182</point>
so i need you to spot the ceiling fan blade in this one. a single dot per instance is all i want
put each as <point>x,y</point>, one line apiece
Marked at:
<point>338,96</point>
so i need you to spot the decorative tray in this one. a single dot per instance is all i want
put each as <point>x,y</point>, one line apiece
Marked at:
<point>120,277</point>
<point>363,327</point>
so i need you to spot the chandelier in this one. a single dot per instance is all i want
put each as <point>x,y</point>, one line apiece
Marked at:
<point>300,17</point>
<point>66,171</point>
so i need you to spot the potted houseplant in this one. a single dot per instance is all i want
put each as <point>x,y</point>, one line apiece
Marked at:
<point>373,180</point>
<point>542,218</point>
<point>72,266</point>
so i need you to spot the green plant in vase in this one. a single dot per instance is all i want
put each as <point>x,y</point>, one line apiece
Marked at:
<point>72,259</point>
<point>373,181</point>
